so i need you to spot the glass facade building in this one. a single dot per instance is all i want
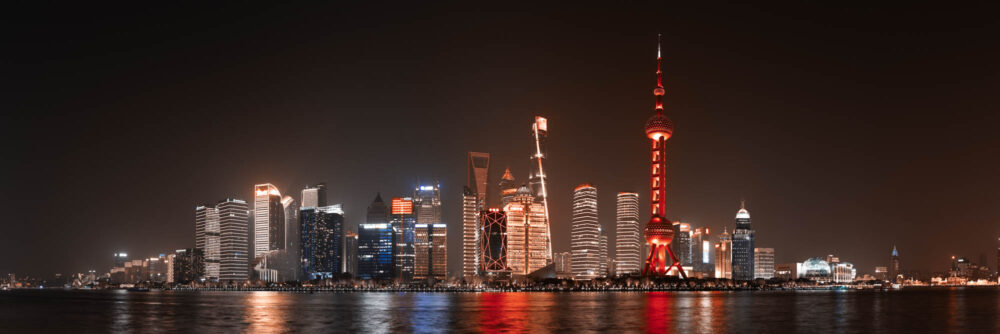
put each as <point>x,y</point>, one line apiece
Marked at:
<point>234,259</point>
<point>403,223</point>
<point>743,237</point>
<point>430,241</point>
<point>375,251</point>
<point>628,236</point>
<point>585,233</point>
<point>322,237</point>
<point>763,260</point>
<point>470,234</point>
<point>494,241</point>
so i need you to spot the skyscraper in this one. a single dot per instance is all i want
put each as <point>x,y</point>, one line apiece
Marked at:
<point>493,242</point>
<point>681,244</point>
<point>603,251</point>
<point>659,231</point>
<point>743,236</point>
<point>479,166</point>
<point>269,220</point>
<point>507,188</point>
<point>234,261</point>
<point>894,265</point>
<point>628,236</point>
<point>430,235</point>
<point>527,234</point>
<point>538,178</point>
<point>314,196</point>
<point>724,256</point>
<point>322,238</point>
<point>763,260</point>
<point>585,233</point>
<point>351,253</point>
<point>375,243</point>
<point>293,248</point>
<point>403,222</point>
<point>207,238</point>
<point>470,234</point>
<point>703,253</point>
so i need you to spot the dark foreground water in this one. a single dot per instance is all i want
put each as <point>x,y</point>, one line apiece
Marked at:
<point>907,311</point>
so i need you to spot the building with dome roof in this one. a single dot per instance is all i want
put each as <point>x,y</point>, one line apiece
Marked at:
<point>743,248</point>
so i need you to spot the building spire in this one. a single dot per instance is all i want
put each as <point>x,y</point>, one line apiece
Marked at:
<point>659,91</point>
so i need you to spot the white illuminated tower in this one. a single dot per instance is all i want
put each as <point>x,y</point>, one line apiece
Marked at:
<point>540,132</point>
<point>268,220</point>
<point>628,236</point>
<point>470,234</point>
<point>585,233</point>
<point>207,239</point>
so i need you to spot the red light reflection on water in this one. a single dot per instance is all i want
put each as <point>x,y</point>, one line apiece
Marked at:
<point>659,312</point>
<point>503,312</point>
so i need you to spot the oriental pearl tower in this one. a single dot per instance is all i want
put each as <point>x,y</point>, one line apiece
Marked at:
<point>659,231</point>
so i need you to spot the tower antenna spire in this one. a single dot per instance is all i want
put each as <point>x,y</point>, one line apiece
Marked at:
<point>659,91</point>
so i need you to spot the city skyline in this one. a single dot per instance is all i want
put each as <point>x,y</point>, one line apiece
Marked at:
<point>753,127</point>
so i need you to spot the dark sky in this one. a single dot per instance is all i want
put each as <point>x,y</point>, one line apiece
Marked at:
<point>844,128</point>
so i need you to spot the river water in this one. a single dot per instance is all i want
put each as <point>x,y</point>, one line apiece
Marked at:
<point>958,310</point>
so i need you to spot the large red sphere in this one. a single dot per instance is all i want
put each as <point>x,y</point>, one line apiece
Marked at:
<point>659,231</point>
<point>659,126</point>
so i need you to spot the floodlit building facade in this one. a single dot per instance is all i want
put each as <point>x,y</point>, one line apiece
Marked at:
<point>724,256</point>
<point>234,259</point>
<point>585,233</point>
<point>527,234</point>
<point>208,238</point>
<point>430,235</point>
<point>470,234</point>
<point>314,196</point>
<point>269,220</point>
<point>403,223</point>
<point>743,238</point>
<point>628,236</point>
<point>763,259</point>
<point>493,242</point>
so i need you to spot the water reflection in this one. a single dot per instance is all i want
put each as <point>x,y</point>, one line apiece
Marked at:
<point>659,312</point>
<point>265,311</point>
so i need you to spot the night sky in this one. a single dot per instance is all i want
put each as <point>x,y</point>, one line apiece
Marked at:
<point>844,129</point>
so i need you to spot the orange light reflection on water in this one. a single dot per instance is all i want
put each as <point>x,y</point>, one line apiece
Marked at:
<point>265,312</point>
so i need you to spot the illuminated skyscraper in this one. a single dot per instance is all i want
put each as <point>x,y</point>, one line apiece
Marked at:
<point>894,272</point>
<point>538,178</point>
<point>470,234</point>
<point>628,236</point>
<point>602,244</point>
<point>293,246</point>
<point>763,260</point>
<point>375,243</point>
<point>585,233</point>
<point>208,239</point>
<point>681,245</point>
<point>269,220</point>
<point>507,188</point>
<point>403,222</point>
<point>659,231</point>
<point>479,166</point>
<point>724,256</point>
<point>351,253</point>
<point>527,234</point>
<point>322,241</point>
<point>493,242</point>
<point>743,236</point>
<point>314,196</point>
<point>703,253</point>
<point>430,235</point>
<point>234,261</point>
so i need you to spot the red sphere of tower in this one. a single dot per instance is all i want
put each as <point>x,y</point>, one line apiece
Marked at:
<point>659,231</point>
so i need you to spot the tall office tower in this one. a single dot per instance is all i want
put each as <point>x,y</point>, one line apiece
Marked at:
<point>538,178</point>
<point>743,269</point>
<point>234,263</point>
<point>430,235</point>
<point>681,244</point>
<point>628,236</point>
<point>507,188</point>
<point>493,242</point>
<point>314,196</point>
<point>350,253</point>
<point>603,251</point>
<point>403,222</point>
<point>894,272</point>
<point>703,253</point>
<point>322,241</point>
<point>378,212</point>
<point>724,256</point>
<point>188,265</point>
<point>470,234</point>
<point>375,251</point>
<point>268,220</point>
<point>207,238</point>
<point>479,166</point>
<point>293,247</point>
<point>659,231</point>
<point>527,234</point>
<point>763,261</point>
<point>585,233</point>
